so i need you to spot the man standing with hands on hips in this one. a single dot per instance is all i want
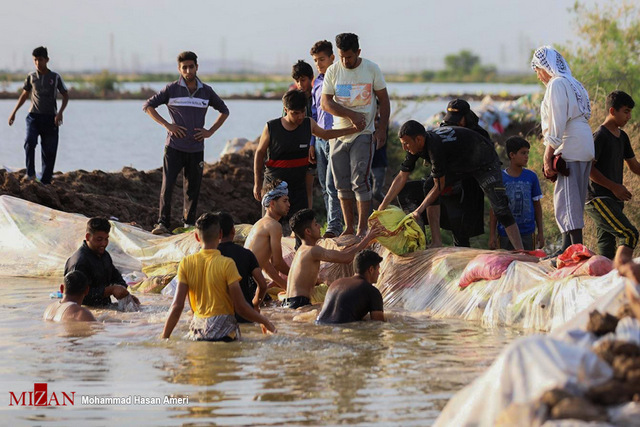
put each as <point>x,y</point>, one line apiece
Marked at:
<point>187,100</point>
<point>349,93</point>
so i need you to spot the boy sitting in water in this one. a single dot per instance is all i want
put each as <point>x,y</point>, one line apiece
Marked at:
<point>305,266</point>
<point>523,190</point>
<point>74,289</point>
<point>212,283</point>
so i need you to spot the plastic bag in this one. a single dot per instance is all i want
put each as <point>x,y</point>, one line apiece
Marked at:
<point>127,304</point>
<point>401,234</point>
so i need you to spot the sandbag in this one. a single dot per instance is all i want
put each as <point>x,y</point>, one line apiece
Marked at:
<point>127,304</point>
<point>401,234</point>
<point>573,255</point>
<point>524,370</point>
<point>161,269</point>
<point>597,265</point>
<point>153,284</point>
<point>485,267</point>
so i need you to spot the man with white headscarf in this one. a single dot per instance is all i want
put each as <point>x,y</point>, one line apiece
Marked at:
<point>564,113</point>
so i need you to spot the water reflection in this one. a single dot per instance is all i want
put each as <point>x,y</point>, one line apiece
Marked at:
<point>397,373</point>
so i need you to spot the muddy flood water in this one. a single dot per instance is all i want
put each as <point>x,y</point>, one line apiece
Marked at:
<point>398,373</point>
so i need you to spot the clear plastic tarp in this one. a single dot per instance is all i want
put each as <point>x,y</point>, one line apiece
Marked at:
<point>36,241</point>
<point>508,391</point>
<point>525,296</point>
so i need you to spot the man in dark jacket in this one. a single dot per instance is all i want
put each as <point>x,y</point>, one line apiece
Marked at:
<point>95,262</point>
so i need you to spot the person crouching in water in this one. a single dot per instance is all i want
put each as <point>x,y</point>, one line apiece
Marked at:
<point>305,266</point>
<point>350,299</point>
<point>212,283</point>
<point>74,289</point>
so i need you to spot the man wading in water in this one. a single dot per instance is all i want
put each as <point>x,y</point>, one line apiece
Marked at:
<point>211,282</point>
<point>74,288</point>
<point>95,262</point>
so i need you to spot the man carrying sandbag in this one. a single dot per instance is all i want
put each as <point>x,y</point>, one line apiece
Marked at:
<point>454,153</point>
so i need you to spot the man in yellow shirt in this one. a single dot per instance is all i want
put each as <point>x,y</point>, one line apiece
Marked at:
<point>212,283</point>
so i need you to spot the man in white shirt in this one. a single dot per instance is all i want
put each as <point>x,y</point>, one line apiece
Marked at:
<point>349,93</point>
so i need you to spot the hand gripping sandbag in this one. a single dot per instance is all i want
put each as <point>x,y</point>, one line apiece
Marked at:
<point>401,234</point>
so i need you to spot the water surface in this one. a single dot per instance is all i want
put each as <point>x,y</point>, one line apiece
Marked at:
<point>398,373</point>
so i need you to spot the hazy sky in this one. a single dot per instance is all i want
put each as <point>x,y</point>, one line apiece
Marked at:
<point>400,35</point>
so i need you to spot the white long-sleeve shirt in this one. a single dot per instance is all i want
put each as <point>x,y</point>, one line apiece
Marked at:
<point>564,126</point>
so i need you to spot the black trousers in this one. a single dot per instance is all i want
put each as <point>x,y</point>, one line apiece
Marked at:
<point>193,165</point>
<point>42,125</point>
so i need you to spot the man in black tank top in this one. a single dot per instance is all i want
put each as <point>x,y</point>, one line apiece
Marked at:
<point>283,151</point>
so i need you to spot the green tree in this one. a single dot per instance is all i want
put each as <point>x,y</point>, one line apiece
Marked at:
<point>608,56</point>
<point>104,83</point>
<point>461,63</point>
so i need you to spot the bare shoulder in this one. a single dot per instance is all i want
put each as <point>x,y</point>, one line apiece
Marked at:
<point>317,252</point>
<point>273,227</point>
<point>82,314</point>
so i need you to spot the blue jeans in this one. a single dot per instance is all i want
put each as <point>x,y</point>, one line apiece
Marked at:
<point>42,125</point>
<point>329,192</point>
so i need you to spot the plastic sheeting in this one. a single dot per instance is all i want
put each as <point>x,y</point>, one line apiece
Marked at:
<point>36,241</point>
<point>525,296</point>
<point>530,366</point>
<point>524,370</point>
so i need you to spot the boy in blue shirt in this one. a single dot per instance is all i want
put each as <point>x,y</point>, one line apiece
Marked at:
<point>523,191</point>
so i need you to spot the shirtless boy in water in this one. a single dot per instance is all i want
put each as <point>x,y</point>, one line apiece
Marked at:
<point>265,237</point>
<point>74,289</point>
<point>306,262</point>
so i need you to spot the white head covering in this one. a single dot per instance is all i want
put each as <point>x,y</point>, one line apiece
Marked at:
<point>552,62</point>
<point>279,191</point>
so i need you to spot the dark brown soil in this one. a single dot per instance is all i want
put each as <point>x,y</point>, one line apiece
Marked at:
<point>132,196</point>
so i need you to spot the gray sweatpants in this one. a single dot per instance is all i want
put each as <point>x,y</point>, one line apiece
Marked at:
<point>351,167</point>
<point>570,195</point>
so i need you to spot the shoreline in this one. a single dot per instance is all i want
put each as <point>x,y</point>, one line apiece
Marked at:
<point>131,196</point>
<point>146,93</point>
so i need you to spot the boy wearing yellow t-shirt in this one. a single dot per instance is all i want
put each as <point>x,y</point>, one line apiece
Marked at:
<point>212,283</point>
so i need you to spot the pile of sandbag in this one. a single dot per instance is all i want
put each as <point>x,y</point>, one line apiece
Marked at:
<point>587,371</point>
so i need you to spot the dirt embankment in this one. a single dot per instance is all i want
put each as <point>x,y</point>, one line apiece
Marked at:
<point>132,196</point>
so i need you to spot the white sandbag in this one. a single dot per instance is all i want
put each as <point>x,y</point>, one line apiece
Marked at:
<point>524,370</point>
